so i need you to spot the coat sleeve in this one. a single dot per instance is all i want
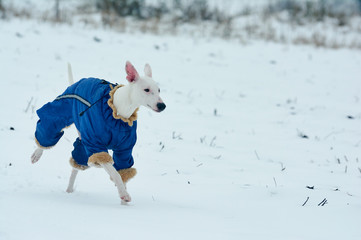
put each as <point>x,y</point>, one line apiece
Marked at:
<point>123,159</point>
<point>96,153</point>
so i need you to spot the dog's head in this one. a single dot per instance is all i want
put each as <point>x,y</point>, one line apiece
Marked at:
<point>145,90</point>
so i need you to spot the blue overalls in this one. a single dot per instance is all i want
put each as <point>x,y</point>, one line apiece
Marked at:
<point>85,103</point>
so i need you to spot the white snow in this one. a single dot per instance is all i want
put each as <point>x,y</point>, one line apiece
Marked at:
<point>225,160</point>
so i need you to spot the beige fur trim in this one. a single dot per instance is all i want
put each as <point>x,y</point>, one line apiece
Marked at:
<point>39,145</point>
<point>77,166</point>
<point>129,120</point>
<point>98,158</point>
<point>127,174</point>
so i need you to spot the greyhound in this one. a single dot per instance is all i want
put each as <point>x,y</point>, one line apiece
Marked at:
<point>105,117</point>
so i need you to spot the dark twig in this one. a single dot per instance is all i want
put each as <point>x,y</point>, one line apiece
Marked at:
<point>305,201</point>
<point>162,146</point>
<point>301,134</point>
<point>282,167</point>
<point>323,202</point>
<point>212,144</point>
<point>179,136</point>
<point>274,179</point>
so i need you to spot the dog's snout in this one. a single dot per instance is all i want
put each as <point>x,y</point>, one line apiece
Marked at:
<point>161,106</point>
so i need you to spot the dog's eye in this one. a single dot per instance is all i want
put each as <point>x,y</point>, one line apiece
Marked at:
<point>146,90</point>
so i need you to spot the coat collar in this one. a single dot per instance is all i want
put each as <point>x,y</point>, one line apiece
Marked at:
<point>129,120</point>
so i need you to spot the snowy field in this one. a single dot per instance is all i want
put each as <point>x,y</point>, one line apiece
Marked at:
<point>249,134</point>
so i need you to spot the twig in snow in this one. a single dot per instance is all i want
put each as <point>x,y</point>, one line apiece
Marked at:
<point>323,202</point>
<point>282,167</point>
<point>33,106</point>
<point>218,157</point>
<point>212,144</point>
<point>203,139</point>
<point>305,201</point>
<point>162,146</point>
<point>338,161</point>
<point>346,158</point>
<point>301,134</point>
<point>179,136</point>
<point>274,179</point>
<point>310,187</point>
<point>257,155</point>
<point>199,165</point>
<point>346,169</point>
<point>29,104</point>
<point>359,169</point>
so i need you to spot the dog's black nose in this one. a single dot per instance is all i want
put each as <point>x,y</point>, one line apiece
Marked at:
<point>161,106</point>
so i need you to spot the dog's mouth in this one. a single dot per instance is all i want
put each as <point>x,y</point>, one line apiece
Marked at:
<point>160,107</point>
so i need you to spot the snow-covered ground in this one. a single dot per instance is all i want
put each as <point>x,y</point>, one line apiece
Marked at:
<point>246,130</point>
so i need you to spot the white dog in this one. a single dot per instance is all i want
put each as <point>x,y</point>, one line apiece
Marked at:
<point>105,116</point>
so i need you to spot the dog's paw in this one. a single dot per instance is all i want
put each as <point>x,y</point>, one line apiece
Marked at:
<point>36,155</point>
<point>125,197</point>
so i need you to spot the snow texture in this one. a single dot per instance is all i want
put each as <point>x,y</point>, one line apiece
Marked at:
<point>250,132</point>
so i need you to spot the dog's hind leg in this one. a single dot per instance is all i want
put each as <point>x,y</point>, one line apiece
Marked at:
<point>73,175</point>
<point>75,169</point>
<point>36,155</point>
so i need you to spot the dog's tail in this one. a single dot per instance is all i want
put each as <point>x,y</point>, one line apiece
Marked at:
<point>70,75</point>
<point>71,82</point>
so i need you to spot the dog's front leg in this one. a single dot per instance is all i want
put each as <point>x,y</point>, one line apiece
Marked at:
<point>118,181</point>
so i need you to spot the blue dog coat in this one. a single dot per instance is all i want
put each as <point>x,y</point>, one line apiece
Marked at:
<point>88,104</point>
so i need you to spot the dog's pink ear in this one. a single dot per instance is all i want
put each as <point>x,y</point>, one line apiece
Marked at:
<point>147,70</point>
<point>132,74</point>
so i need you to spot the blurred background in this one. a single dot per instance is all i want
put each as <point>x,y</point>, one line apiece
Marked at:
<point>326,23</point>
